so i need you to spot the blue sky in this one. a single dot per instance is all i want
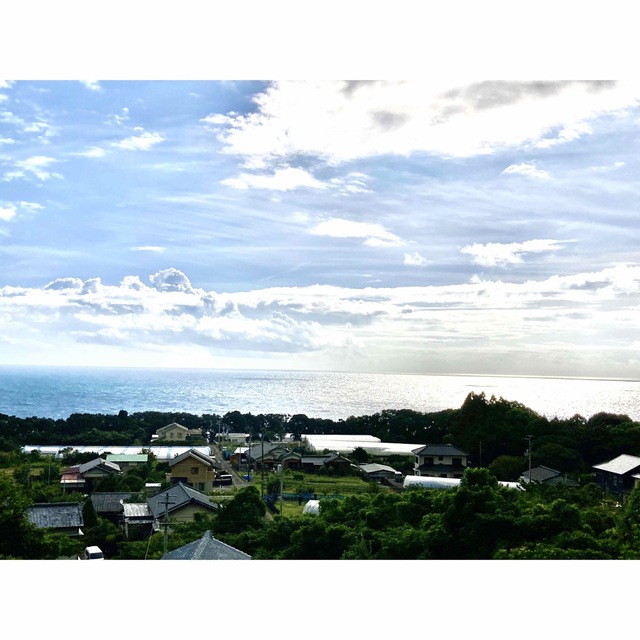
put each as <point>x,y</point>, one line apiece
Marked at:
<point>429,225</point>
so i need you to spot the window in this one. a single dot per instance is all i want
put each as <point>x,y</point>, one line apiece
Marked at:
<point>194,471</point>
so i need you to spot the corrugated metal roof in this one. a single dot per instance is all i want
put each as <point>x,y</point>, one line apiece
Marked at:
<point>136,510</point>
<point>620,465</point>
<point>374,467</point>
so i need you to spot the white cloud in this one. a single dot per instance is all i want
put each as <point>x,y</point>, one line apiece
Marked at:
<point>280,180</point>
<point>527,169</point>
<point>141,142</point>
<point>32,206</point>
<point>342,121</point>
<point>93,85</point>
<point>154,249</point>
<point>415,260</point>
<point>36,167</point>
<point>119,118</point>
<point>567,134</point>
<point>495,254</point>
<point>7,212</point>
<point>93,152</point>
<point>351,184</point>
<point>171,280</point>
<point>65,284</point>
<point>375,235</point>
<point>587,314</point>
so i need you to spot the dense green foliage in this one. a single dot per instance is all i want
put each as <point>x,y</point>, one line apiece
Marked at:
<point>493,431</point>
<point>479,519</point>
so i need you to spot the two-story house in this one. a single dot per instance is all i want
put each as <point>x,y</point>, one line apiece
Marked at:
<point>175,432</point>
<point>440,461</point>
<point>194,469</point>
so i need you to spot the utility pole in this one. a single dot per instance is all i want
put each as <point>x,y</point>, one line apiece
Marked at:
<point>166,503</point>
<point>281,485</point>
<point>262,463</point>
<point>529,438</point>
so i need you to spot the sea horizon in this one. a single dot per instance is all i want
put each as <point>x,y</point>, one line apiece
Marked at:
<point>332,371</point>
<point>51,391</point>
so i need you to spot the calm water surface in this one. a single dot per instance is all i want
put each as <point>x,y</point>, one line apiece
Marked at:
<point>57,392</point>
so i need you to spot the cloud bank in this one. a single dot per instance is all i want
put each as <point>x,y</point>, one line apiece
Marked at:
<point>562,323</point>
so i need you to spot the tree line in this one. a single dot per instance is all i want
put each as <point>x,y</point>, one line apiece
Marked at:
<point>494,432</point>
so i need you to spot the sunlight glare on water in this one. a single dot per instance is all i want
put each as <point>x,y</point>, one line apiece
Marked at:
<point>58,392</point>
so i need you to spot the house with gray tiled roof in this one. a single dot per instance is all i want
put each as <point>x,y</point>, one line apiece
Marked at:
<point>440,461</point>
<point>206,548</point>
<point>333,462</point>
<point>180,502</point>
<point>269,456</point>
<point>547,475</point>
<point>59,517</point>
<point>109,504</point>
<point>619,475</point>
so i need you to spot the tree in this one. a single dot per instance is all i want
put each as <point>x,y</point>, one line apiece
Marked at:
<point>507,467</point>
<point>480,516</point>
<point>19,538</point>
<point>245,510</point>
<point>360,455</point>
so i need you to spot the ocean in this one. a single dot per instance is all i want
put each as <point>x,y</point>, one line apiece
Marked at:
<point>57,392</point>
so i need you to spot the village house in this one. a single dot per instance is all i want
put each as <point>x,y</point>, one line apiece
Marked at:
<point>268,456</point>
<point>331,462</point>
<point>138,520</point>
<point>81,477</point>
<point>440,461</point>
<point>179,503</point>
<point>58,517</point>
<point>128,461</point>
<point>175,432</point>
<point>379,472</point>
<point>618,476</point>
<point>206,548</point>
<point>109,504</point>
<point>194,469</point>
<point>546,475</point>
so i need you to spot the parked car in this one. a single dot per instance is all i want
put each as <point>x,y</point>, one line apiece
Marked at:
<point>92,553</point>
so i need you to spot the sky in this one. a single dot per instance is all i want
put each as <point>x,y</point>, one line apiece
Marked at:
<point>413,224</point>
